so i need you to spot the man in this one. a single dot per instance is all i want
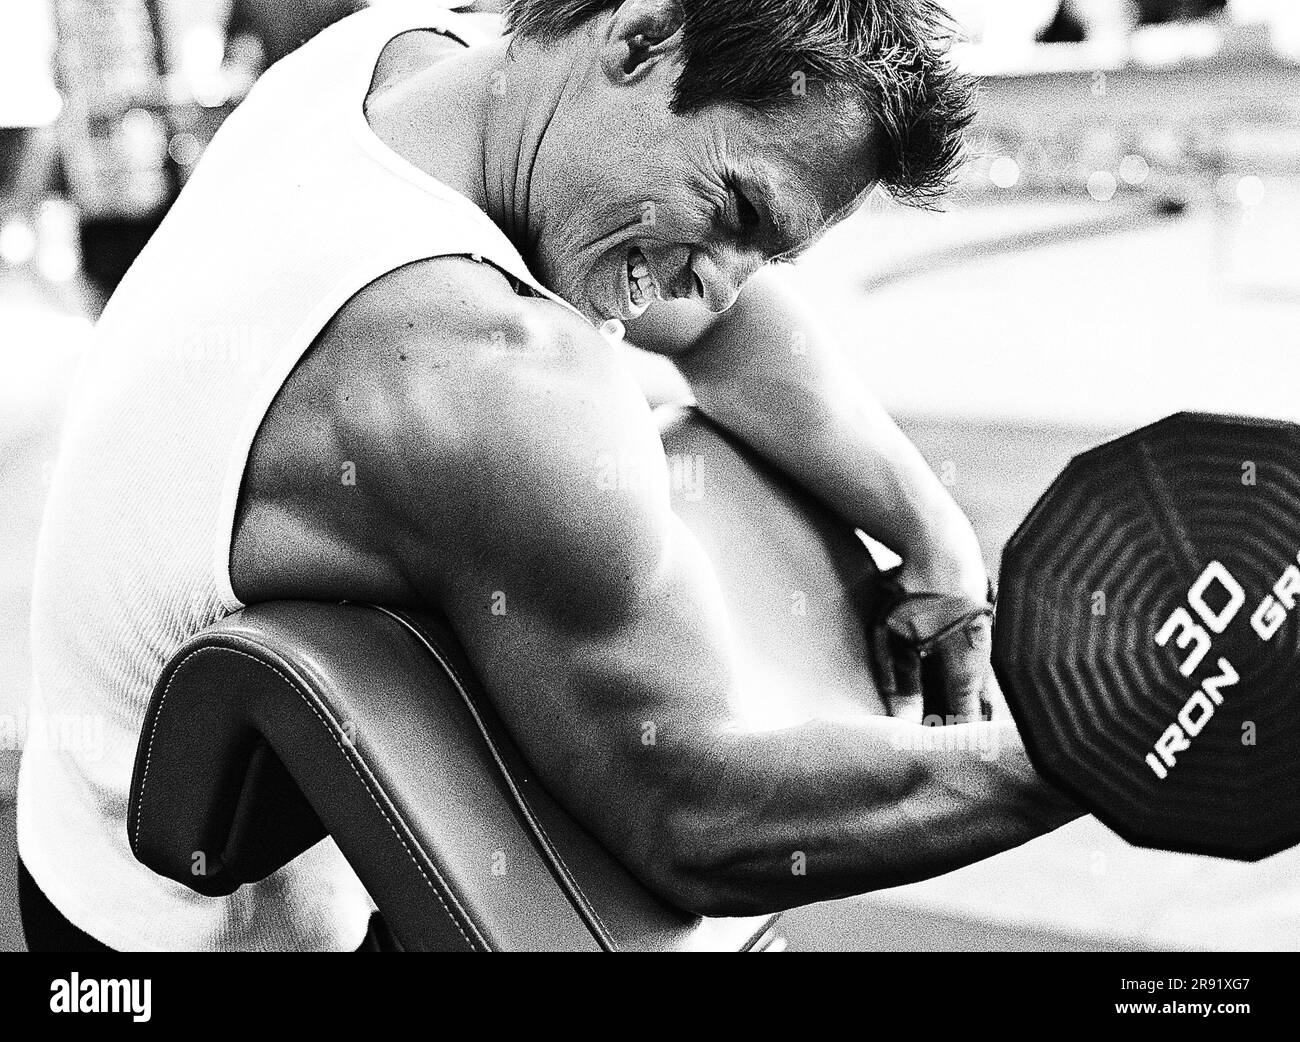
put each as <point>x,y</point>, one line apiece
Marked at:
<point>333,374</point>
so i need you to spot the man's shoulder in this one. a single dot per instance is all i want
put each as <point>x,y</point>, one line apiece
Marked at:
<point>462,304</point>
<point>453,402</point>
<point>485,414</point>
<point>448,346</point>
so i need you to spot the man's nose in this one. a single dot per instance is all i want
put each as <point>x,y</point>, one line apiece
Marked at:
<point>720,278</point>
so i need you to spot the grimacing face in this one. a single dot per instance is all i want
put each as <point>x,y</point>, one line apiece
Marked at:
<point>639,203</point>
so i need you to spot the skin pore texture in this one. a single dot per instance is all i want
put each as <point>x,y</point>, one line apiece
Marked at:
<point>476,417</point>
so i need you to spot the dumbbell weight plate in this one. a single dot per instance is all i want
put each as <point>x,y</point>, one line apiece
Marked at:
<point>1176,531</point>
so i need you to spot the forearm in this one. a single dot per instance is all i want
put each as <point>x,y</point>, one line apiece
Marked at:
<point>832,809</point>
<point>767,373</point>
<point>848,452</point>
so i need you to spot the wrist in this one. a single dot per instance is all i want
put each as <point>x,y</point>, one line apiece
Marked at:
<point>1049,804</point>
<point>949,558</point>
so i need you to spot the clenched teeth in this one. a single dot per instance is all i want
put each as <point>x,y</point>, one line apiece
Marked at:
<point>642,287</point>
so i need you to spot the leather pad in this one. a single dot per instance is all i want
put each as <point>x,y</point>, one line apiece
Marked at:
<point>290,720</point>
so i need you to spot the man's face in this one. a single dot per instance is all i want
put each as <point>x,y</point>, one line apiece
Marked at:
<point>641,204</point>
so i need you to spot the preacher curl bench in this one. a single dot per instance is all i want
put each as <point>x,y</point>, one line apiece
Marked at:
<point>289,721</point>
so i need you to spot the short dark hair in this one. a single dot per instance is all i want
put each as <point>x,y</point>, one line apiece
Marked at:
<point>887,55</point>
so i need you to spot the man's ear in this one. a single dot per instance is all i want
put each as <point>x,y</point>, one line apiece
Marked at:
<point>639,36</point>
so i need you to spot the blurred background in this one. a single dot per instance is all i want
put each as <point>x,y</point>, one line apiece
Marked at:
<point>1124,243</point>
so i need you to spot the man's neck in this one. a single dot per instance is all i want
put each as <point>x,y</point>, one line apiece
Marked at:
<point>476,121</point>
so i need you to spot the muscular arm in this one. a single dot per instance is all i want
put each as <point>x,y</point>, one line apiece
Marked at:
<point>768,372</point>
<point>525,490</point>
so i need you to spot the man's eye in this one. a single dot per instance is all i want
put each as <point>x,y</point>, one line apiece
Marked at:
<point>745,209</point>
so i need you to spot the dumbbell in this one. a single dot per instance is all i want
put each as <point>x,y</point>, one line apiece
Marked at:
<point>1147,634</point>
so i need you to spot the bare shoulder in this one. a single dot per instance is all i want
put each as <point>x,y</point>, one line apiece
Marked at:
<point>442,296</point>
<point>445,321</point>
<point>441,407</point>
<point>445,353</point>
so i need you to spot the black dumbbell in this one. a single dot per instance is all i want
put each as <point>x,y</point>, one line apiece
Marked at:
<point>1147,634</point>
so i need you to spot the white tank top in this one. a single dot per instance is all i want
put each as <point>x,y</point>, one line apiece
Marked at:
<point>295,207</point>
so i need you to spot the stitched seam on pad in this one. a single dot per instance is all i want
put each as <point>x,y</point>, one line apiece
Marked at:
<point>605,935</point>
<point>536,822</point>
<point>293,683</point>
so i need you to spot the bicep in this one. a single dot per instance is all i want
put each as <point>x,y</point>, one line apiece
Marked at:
<point>612,677</point>
<point>602,642</point>
<point>530,497</point>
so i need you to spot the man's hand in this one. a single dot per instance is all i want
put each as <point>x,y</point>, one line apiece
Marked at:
<point>932,639</point>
